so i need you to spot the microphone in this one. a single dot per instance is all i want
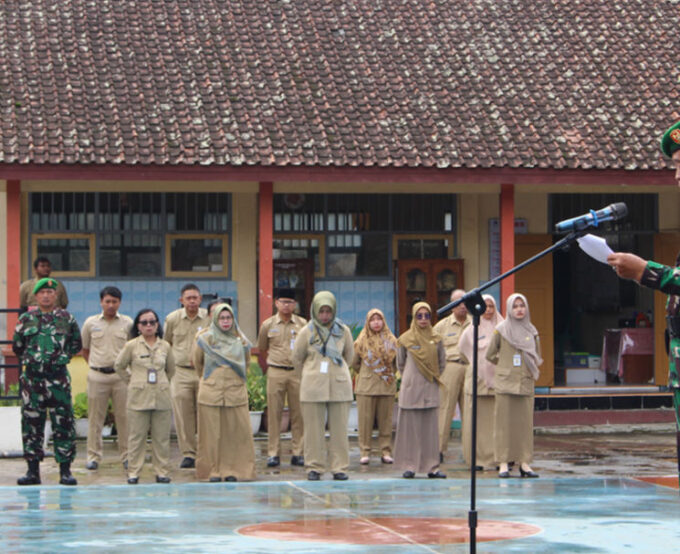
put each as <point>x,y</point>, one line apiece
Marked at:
<point>613,212</point>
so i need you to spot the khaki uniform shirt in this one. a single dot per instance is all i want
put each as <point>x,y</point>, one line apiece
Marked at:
<point>104,338</point>
<point>333,385</point>
<point>451,331</point>
<point>180,332</point>
<point>133,364</point>
<point>509,378</point>
<point>277,338</point>
<point>224,387</point>
<point>27,298</point>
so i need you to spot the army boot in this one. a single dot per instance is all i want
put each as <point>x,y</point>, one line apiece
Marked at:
<point>32,476</point>
<point>65,473</point>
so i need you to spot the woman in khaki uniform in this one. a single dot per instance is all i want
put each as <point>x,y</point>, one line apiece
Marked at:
<point>515,350</point>
<point>421,358</point>
<point>485,393</point>
<point>225,438</point>
<point>323,350</point>
<point>375,352</point>
<point>146,365</point>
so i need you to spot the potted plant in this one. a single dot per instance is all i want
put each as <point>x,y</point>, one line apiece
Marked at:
<point>10,415</point>
<point>256,383</point>
<point>80,414</point>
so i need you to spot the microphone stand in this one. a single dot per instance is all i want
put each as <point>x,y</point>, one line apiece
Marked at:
<point>476,306</point>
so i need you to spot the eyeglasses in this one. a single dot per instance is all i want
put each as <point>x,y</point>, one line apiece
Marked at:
<point>423,316</point>
<point>225,318</point>
<point>148,321</point>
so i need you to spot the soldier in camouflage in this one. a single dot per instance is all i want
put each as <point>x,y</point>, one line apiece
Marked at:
<point>663,278</point>
<point>45,339</point>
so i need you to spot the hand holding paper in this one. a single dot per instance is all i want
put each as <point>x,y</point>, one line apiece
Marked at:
<point>595,247</point>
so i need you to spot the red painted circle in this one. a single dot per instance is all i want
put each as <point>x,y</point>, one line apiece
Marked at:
<point>388,530</point>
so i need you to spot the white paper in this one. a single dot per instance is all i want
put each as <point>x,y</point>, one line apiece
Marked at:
<point>595,247</point>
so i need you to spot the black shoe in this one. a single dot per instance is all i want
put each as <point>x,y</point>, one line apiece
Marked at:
<point>408,474</point>
<point>230,479</point>
<point>441,457</point>
<point>92,465</point>
<point>65,474</point>
<point>340,476</point>
<point>133,480</point>
<point>32,476</point>
<point>313,476</point>
<point>530,474</point>
<point>436,475</point>
<point>297,461</point>
<point>479,468</point>
<point>160,479</point>
<point>187,463</point>
<point>504,475</point>
<point>215,479</point>
<point>273,461</point>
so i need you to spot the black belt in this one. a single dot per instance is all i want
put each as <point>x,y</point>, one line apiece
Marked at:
<point>186,366</point>
<point>286,367</point>
<point>673,324</point>
<point>106,370</point>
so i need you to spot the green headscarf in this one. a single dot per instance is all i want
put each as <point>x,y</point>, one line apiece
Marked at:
<point>224,347</point>
<point>325,337</point>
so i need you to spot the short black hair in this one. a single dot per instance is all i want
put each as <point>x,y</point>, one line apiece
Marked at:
<point>110,291</point>
<point>41,260</point>
<point>189,286</point>
<point>134,332</point>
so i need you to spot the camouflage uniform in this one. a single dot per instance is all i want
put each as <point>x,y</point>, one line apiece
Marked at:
<point>667,279</point>
<point>45,342</point>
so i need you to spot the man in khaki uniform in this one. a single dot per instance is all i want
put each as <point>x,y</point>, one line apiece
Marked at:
<point>275,343</point>
<point>453,378</point>
<point>104,336</point>
<point>43,269</point>
<point>181,327</point>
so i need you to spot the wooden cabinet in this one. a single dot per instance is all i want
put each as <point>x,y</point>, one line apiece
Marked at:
<point>297,275</point>
<point>430,281</point>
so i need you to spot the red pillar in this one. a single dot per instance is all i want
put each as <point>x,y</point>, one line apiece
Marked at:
<point>507,217</point>
<point>265,259</point>
<point>13,230</point>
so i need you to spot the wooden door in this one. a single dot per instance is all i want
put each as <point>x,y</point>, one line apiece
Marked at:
<point>536,283</point>
<point>297,275</point>
<point>666,248</point>
<point>428,281</point>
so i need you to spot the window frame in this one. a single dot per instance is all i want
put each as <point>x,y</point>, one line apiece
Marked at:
<point>90,237</point>
<point>169,237</point>
<point>425,236</point>
<point>309,236</point>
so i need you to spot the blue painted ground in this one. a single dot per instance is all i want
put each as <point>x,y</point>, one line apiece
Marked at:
<point>575,515</point>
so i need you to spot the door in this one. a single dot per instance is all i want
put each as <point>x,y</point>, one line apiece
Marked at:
<point>428,281</point>
<point>666,248</point>
<point>536,283</point>
<point>297,275</point>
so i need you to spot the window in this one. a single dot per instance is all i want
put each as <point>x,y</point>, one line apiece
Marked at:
<point>135,234</point>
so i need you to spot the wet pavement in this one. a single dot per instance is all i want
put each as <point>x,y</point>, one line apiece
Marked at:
<point>601,490</point>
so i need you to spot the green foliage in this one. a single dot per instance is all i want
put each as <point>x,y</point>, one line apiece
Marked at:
<point>80,405</point>
<point>13,390</point>
<point>356,329</point>
<point>256,384</point>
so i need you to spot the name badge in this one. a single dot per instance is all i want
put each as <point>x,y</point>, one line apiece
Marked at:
<point>324,367</point>
<point>292,343</point>
<point>152,376</point>
<point>516,360</point>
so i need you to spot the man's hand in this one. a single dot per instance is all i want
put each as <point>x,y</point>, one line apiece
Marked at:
<point>627,266</point>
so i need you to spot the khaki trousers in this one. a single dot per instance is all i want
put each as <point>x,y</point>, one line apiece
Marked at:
<point>184,393</point>
<point>514,428</point>
<point>279,384</point>
<point>369,407</point>
<point>450,395</point>
<point>314,416</point>
<point>484,455</point>
<point>101,387</point>
<point>225,443</point>
<point>140,422</point>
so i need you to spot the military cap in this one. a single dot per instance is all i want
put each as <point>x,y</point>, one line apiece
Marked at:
<point>45,283</point>
<point>670,141</point>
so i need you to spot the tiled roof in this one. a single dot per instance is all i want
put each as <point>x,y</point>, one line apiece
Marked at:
<point>555,84</point>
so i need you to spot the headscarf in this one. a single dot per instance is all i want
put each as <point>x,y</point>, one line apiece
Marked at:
<point>521,334</point>
<point>422,345</point>
<point>325,337</point>
<point>224,347</point>
<point>377,350</point>
<point>485,369</point>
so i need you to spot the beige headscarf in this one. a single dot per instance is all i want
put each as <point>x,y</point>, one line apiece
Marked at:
<point>422,345</point>
<point>377,350</point>
<point>521,334</point>
<point>222,348</point>
<point>325,337</point>
<point>485,369</point>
